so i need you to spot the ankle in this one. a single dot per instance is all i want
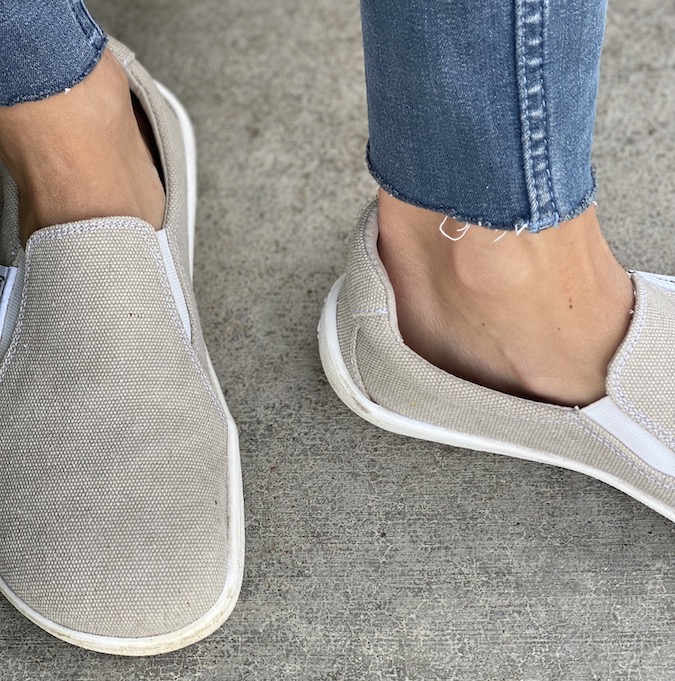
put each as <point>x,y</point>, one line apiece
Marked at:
<point>538,315</point>
<point>80,154</point>
<point>483,262</point>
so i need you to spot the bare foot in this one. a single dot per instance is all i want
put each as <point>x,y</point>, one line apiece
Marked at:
<point>534,315</point>
<point>80,154</point>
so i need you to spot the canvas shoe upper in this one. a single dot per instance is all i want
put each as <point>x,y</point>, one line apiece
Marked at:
<point>626,439</point>
<point>120,490</point>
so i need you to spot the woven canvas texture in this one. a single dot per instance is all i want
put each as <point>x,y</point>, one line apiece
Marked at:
<point>113,451</point>
<point>113,504</point>
<point>9,222</point>
<point>400,380</point>
<point>641,373</point>
<point>169,141</point>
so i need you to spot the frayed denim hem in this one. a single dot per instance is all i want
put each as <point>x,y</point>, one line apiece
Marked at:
<point>71,45</point>
<point>481,220</point>
<point>61,86</point>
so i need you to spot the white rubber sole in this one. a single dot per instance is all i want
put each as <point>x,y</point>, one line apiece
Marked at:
<point>221,610</point>
<point>346,389</point>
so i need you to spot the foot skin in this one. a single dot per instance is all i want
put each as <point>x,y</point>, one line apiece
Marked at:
<point>80,154</point>
<point>534,315</point>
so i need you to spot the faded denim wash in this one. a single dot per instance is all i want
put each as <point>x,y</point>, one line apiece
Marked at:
<point>480,110</point>
<point>484,111</point>
<point>45,48</point>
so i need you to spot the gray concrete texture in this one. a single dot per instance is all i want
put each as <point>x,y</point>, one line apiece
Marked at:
<point>372,556</point>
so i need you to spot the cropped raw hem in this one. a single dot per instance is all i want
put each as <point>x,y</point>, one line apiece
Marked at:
<point>46,48</point>
<point>484,111</point>
<point>520,225</point>
<point>61,85</point>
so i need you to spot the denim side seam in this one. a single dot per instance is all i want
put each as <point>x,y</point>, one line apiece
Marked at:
<point>95,35</point>
<point>90,28</point>
<point>530,24</point>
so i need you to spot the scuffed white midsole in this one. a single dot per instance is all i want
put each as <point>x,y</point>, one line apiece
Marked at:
<point>346,389</point>
<point>221,610</point>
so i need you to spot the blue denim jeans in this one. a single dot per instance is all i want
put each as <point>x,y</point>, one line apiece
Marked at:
<point>45,48</point>
<point>480,110</point>
<point>484,111</point>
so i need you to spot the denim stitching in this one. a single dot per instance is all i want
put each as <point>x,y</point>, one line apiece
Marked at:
<point>530,17</point>
<point>89,27</point>
<point>549,177</point>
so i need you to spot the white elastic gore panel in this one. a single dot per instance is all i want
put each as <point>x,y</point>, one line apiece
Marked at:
<point>7,305</point>
<point>639,440</point>
<point>174,282</point>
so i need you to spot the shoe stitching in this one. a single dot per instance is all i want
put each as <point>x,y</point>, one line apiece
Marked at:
<point>651,477</point>
<point>364,312</point>
<point>577,421</point>
<point>443,381</point>
<point>357,378</point>
<point>446,381</point>
<point>432,373</point>
<point>662,433</point>
<point>583,427</point>
<point>161,114</point>
<point>667,280</point>
<point>55,234</point>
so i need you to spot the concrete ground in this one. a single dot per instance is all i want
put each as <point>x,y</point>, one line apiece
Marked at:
<point>372,556</point>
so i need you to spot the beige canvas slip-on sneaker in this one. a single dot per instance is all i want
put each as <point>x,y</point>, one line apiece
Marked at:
<point>121,509</point>
<point>626,439</point>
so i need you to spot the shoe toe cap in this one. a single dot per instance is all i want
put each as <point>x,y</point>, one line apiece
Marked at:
<point>133,554</point>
